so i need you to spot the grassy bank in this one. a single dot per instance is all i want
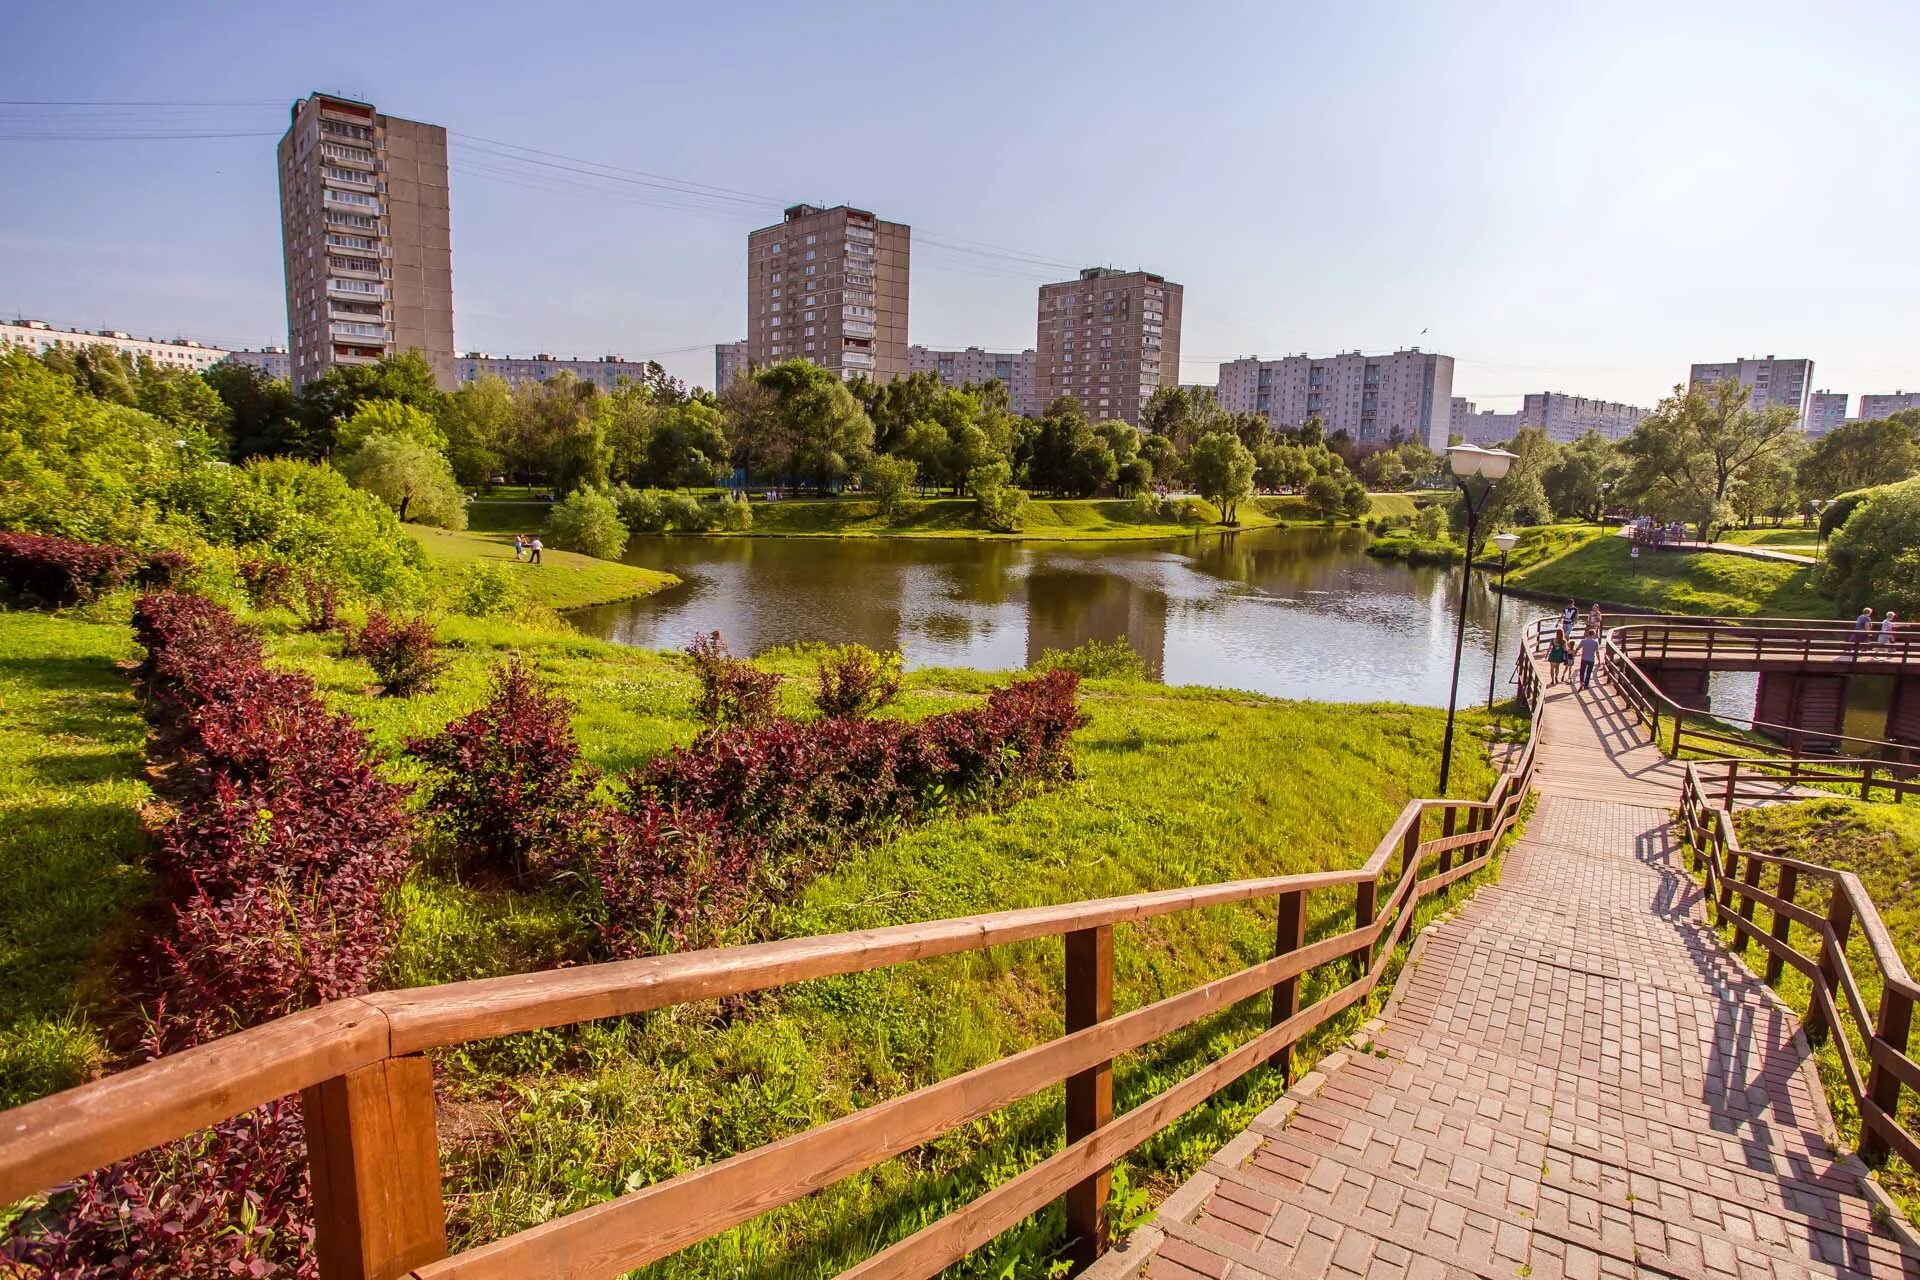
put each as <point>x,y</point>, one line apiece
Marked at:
<point>1176,786</point>
<point>1044,519</point>
<point>562,580</point>
<point>1705,582</point>
<point>1880,843</point>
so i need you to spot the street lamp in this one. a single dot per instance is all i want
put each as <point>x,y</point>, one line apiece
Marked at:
<point>1468,463</point>
<point>1505,542</point>
<point>1819,525</point>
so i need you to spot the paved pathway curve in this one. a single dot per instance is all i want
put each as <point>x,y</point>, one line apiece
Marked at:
<point>1574,1081</point>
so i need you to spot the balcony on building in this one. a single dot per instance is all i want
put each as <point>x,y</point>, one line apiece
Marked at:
<point>355,288</point>
<point>856,329</point>
<point>348,156</point>
<point>352,268</point>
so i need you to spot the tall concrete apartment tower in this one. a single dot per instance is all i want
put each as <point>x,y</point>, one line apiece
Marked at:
<point>830,286</point>
<point>1769,382</point>
<point>1109,339</point>
<point>364,230</point>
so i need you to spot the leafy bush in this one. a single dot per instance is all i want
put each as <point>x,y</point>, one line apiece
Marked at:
<point>168,568</point>
<point>1097,660</point>
<point>1430,523</point>
<point>668,881</point>
<point>997,503</point>
<point>890,481</point>
<point>682,513</point>
<point>414,479</point>
<point>268,581</point>
<point>853,681</point>
<point>400,651</point>
<point>1874,558</point>
<point>587,522</point>
<point>508,783</point>
<point>487,590</point>
<point>60,571</point>
<point>734,514</point>
<point>640,509</point>
<point>732,690</point>
<point>319,602</point>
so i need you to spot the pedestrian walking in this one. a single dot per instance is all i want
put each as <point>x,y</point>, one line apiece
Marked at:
<point>1594,620</point>
<point>1862,629</point>
<point>1589,655</point>
<point>519,546</point>
<point>1886,635</point>
<point>534,558</point>
<point>1569,616</point>
<point>1558,656</point>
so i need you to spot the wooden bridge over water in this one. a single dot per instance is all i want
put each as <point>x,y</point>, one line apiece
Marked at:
<point>1573,1077</point>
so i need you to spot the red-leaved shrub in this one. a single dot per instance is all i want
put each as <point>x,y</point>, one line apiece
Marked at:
<point>400,651</point>
<point>168,568</point>
<point>854,681</point>
<point>319,602</point>
<point>268,580</point>
<point>732,690</point>
<point>508,785</point>
<point>60,571</point>
<point>668,881</point>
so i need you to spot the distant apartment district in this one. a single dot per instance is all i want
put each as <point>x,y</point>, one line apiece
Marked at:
<point>364,207</point>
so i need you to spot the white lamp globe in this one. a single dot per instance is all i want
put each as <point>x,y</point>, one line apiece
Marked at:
<point>1505,541</point>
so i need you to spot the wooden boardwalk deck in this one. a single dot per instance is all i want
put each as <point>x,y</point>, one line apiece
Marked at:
<point>1573,1080</point>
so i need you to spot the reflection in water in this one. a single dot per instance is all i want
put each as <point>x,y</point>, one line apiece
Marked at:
<point>1295,612</point>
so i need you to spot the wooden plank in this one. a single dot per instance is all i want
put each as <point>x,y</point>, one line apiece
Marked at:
<point>375,1161</point>
<point>1089,1002</point>
<point>53,1139</point>
<point>1881,1134</point>
<point>617,1235</point>
<point>1883,1084</point>
<point>1290,934</point>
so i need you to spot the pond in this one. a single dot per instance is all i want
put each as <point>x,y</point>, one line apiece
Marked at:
<point>1298,613</point>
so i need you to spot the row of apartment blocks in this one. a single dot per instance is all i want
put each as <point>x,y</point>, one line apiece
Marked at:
<point>1405,395</point>
<point>1563,417</point>
<point>39,337</point>
<point>606,374</point>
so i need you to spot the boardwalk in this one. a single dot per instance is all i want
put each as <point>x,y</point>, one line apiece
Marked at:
<point>1574,1080</point>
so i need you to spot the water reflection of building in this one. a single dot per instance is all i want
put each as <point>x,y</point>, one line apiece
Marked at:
<point>1068,607</point>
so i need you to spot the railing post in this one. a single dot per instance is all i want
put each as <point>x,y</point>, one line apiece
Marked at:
<point>1290,934</point>
<point>1733,773</point>
<point>1410,845</point>
<point>1679,717</point>
<point>1883,1087</point>
<point>1782,922</point>
<point>1365,898</point>
<point>1866,780</point>
<point>1742,937</point>
<point>375,1163</point>
<point>1089,954</point>
<point>1833,954</point>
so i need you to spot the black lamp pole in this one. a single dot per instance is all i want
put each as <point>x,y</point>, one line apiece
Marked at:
<point>1499,607</point>
<point>1460,623</point>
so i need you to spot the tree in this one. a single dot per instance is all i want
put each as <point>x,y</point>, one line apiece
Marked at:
<point>478,423</point>
<point>829,434</point>
<point>627,416</point>
<point>890,483</point>
<point>588,522</point>
<point>1874,557</point>
<point>1767,487</point>
<point>928,446</point>
<point>392,418</point>
<point>332,397</point>
<point>688,446</point>
<point>1066,455</point>
<point>997,502</point>
<point>761,438</point>
<point>413,479</point>
<point>1159,453</point>
<point>1520,497</point>
<point>1222,470</point>
<point>1577,481</point>
<point>546,417</point>
<point>182,398</point>
<point>103,372</point>
<point>1325,497</point>
<point>1859,455</point>
<point>1684,457</point>
<point>262,415</point>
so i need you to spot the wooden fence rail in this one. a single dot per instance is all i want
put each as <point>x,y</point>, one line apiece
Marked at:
<point>1710,791</point>
<point>366,1084</point>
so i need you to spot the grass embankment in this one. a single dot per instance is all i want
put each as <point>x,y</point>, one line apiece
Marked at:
<point>1536,545</point>
<point>1794,537</point>
<point>1044,519</point>
<point>562,580</point>
<point>1881,844</point>
<point>1176,786</point>
<point>1704,582</point>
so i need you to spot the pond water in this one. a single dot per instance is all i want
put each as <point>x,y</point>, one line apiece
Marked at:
<point>1300,613</point>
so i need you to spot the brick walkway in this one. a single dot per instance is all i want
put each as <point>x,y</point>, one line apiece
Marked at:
<point>1573,1080</point>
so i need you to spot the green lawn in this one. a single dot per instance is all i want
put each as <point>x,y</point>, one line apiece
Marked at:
<point>71,844</point>
<point>562,580</point>
<point>1794,537</point>
<point>1176,787</point>
<point>1700,582</point>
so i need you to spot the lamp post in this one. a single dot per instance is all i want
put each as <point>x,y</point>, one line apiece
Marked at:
<point>1467,463</point>
<point>1505,542</point>
<point>1819,526</point>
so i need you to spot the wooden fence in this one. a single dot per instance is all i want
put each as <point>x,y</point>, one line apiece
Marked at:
<point>1736,882</point>
<point>365,1082</point>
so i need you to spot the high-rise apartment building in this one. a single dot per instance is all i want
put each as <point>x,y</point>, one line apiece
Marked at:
<point>1109,339</point>
<point>1475,425</point>
<point>1885,406</point>
<point>1566,418</point>
<point>729,362</point>
<point>1769,381</point>
<point>1406,395</point>
<point>1017,370</point>
<point>830,286</point>
<point>275,362</point>
<point>366,238</point>
<point>1825,411</point>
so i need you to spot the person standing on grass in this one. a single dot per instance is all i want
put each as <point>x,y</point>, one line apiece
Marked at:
<point>519,545</point>
<point>1558,656</point>
<point>1589,654</point>
<point>534,558</point>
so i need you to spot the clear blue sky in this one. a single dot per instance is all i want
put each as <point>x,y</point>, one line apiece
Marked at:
<point>1581,198</point>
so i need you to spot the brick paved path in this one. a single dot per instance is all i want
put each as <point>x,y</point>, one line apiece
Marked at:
<point>1575,1081</point>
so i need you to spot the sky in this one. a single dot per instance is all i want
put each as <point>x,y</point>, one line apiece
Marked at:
<point>1578,198</point>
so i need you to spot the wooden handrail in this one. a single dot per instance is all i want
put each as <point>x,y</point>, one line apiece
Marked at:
<point>367,1090</point>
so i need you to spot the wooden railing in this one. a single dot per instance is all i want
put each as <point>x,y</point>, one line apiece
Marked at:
<point>1737,882</point>
<point>367,1094</point>
<point>1753,642</point>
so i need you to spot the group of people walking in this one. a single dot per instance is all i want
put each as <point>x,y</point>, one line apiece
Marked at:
<point>1864,630</point>
<point>1562,649</point>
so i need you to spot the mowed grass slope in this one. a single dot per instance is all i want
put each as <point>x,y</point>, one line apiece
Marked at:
<point>1704,582</point>
<point>562,579</point>
<point>1176,787</point>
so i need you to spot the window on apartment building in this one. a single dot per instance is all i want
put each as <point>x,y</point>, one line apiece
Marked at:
<point>776,277</point>
<point>776,306</point>
<point>810,272</point>
<point>809,332</point>
<point>808,315</point>
<point>776,293</point>
<point>775,249</point>
<point>808,346</point>
<point>812,240</point>
<point>811,255</point>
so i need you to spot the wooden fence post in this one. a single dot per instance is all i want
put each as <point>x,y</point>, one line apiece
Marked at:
<point>1782,922</point>
<point>1729,872</point>
<point>1089,954</point>
<point>1366,894</point>
<point>1733,776</point>
<point>1832,954</point>
<point>1742,937</point>
<point>375,1161</point>
<point>1290,934</point>
<point>1883,1087</point>
<point>1410,846</point>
